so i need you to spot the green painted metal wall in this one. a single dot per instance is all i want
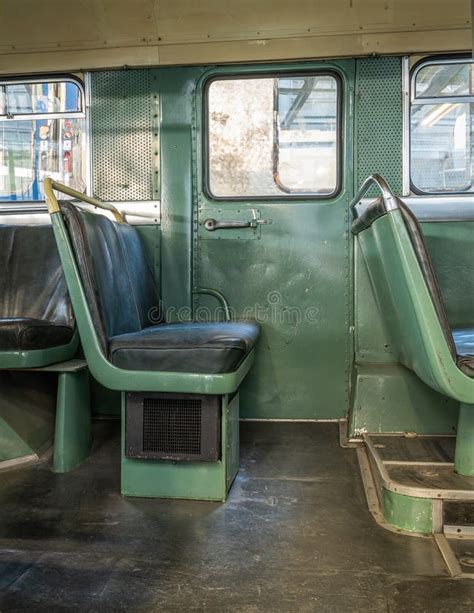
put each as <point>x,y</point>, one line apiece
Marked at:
<point>177,87</point>
<point>315,238</point>
<point>294,277</point>
<point>128,165</point>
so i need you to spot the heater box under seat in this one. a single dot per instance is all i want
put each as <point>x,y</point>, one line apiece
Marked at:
<point>179,445</point>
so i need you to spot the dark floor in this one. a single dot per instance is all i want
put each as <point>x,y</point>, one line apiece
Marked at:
<point>295,535</point>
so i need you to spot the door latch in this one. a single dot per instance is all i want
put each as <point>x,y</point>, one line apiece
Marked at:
<point>219,224</point>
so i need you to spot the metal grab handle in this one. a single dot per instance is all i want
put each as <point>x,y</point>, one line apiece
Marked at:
<point>218,296</point>
<point>213,224</point>
<point>388,197</point>
<point>53,204</point>
<point>218,224</point>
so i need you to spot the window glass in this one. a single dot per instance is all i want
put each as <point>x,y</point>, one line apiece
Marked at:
<point>442,133</point>
<point>34,148</point>
<point>54,97</point>
<point>270,137</point>
<point>445,80</point>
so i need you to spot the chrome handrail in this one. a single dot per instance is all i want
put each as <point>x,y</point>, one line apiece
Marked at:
<point>53,205</point>
<point>388,197</point>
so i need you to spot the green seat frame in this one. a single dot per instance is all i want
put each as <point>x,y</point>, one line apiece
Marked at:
<point>102,370</point>
<point>204,480</point>
<point>412,322</point>
<point>37,358</point>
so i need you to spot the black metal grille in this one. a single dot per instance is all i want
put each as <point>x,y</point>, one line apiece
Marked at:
<point>172,426</point>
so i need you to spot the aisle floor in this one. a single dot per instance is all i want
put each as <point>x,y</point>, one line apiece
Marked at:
<point>295,535</point>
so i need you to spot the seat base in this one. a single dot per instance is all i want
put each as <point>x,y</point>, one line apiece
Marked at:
<point>72,437</point>
<point>58,420</point>
<point>188,480</point>
<point>412,489</point>
<point>27,409</point>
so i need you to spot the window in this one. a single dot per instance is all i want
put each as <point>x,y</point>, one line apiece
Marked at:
<point>42,133</point>
<point>442,127</point>
<point>271,137</point>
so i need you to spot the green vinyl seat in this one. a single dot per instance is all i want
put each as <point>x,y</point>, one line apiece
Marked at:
<point>410,303</point>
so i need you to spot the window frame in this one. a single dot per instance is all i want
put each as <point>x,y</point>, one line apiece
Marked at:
<point>307,196</point>
<point>38,205</point>
<point>420,100</point>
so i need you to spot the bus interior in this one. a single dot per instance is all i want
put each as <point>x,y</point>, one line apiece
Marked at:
<point>237,306</point>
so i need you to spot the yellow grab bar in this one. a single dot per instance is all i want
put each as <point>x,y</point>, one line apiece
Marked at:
<point>53,204</point>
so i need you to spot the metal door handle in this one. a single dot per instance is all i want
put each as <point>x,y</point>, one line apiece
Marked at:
<point>214,224</point>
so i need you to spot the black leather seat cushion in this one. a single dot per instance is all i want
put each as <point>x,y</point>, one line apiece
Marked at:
<point>118,282</point>
<point>23,334</point>
<point>35,309</point>
<point>124,303</point>
<point>186,347</point>
<point>464,341</point>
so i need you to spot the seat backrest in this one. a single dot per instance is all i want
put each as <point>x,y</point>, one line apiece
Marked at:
<point>120,289</point>
<point>405,287</point>
<point>32,283</point>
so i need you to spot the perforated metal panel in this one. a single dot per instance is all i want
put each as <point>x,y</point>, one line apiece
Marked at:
<point>379,124</point>
<point>124,130</point>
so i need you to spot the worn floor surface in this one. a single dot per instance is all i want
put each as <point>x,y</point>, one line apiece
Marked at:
<point>295,535</point>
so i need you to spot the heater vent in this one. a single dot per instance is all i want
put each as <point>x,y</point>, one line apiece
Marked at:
<point>175,427</point>
<point>172,426</point>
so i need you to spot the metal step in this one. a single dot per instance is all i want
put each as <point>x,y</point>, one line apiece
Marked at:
<point>420,467</point>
